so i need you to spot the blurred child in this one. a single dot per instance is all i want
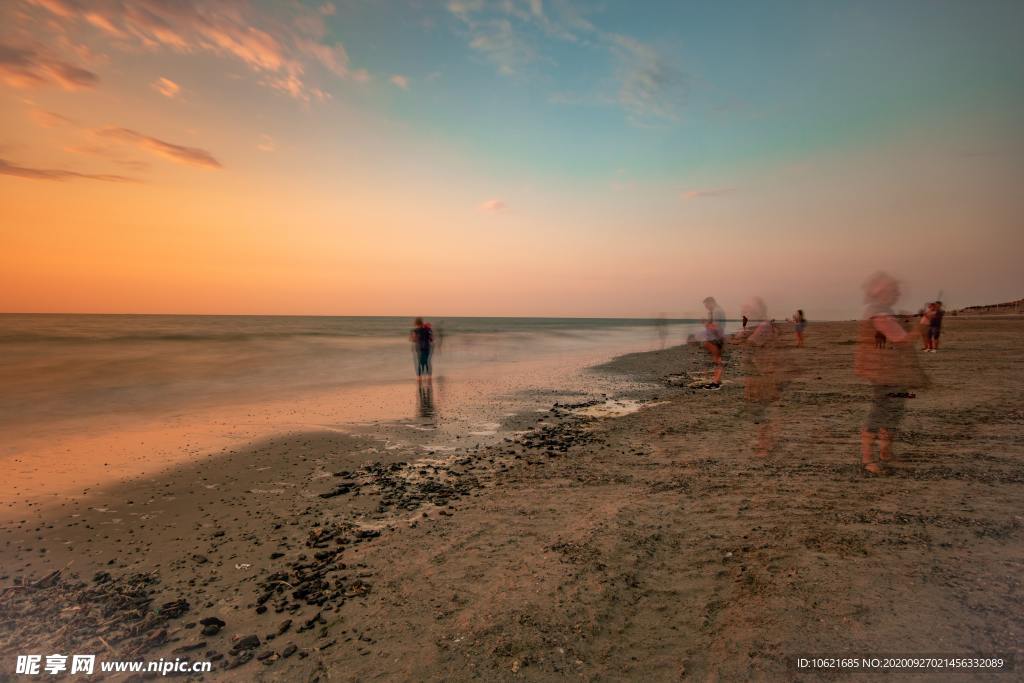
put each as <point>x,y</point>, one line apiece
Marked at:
<point>714,339</point>
<point>890,372</point>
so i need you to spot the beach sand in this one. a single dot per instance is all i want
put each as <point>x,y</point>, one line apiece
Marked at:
<point>595,544</point>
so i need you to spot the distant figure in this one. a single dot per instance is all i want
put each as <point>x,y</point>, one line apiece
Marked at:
<point>890,372</point>
<point>662,324</point>
<point>438,337</point>
<point>714,339</point>
<point>880,340</point>
<point>799,325</point>
<point>924,324</point>
<point>422,338</point>
<point>935,327</point>
<point>744,322</point>
<point>762,375</point>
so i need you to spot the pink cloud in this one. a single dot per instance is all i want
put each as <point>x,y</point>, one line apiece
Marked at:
<point>166,87</point>
<point>7,168</point>
<point>29,68</point>
<point>710,192</point>
<point>493,206</point>
<point>49,119</point>
<point>109,154</point>
<point>168,150</point>
<point>400,81</point>
<point>280,49</point>
<point>266,143</point>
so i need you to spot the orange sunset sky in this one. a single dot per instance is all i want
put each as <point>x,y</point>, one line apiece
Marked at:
<point>506,158</point>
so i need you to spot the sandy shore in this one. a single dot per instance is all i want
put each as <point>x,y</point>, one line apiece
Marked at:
<point>650,545</point>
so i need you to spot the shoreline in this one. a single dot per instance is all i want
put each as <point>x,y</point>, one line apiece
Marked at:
<point>477,385</point>
<point>650,544</point>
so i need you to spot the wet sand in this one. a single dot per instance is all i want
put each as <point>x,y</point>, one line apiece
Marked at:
<point>586,543</point>
<point>480,381</point>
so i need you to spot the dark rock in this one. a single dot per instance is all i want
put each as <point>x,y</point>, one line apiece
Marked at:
<point>174,609</point>
<point>246,643</point>
<point>240,659</point>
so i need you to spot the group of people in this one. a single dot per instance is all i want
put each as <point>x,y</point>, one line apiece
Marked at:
<point>884,356</point>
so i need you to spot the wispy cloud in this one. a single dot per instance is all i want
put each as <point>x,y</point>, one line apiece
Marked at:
<point>400,81</point>
<point>266,143</point>
<point>22,67</point>
<point>690,195</point>
<point>493,206</point>
<point>7,168</point>
<point>649,86</point>
<point>168,150</point>
<point>49,119</point>
<point>166,87</point>
<point>110,154</point>
<point>279,43</point>
<point>493,35</point>
<point>503,46</point>
<point>644,83</point>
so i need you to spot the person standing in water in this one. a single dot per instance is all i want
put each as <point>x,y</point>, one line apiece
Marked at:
<point>714,339</point>
<point>422,339</point>
<point>799,325</point>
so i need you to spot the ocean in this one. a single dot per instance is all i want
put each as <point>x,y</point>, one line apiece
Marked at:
<point>156,389</point>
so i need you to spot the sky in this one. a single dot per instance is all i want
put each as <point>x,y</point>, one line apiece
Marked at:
<point>507,157</point>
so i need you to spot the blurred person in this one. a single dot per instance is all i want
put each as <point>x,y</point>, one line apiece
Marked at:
<point>935,327</point>
<point>744,322</point>
<point>799,325</point>
<point>762,374</point>
<point>422,338</point>
<point>714,339</point>
<point>890,371</point>
<point>661,322</point>
<point>439,337</point>
<point>924,324</point>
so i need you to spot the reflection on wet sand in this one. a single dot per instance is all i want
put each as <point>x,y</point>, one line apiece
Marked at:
<point>425,400</point>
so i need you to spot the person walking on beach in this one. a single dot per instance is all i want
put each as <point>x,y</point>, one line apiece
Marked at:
<point>714,339</point>
<point>422,339</point>
<point>799,325</point>
<point>761,374</point>
<point>935,327</point>
<point>744,322</point>
<point>890,372</point>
